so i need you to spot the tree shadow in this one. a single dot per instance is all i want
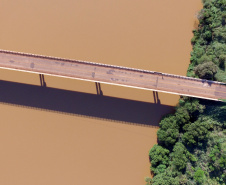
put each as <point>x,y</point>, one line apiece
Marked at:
<point>83,104</point>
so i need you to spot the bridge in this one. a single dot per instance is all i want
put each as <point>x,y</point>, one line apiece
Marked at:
<point>115,75</point>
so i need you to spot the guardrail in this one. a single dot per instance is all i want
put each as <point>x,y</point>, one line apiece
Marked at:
<point>172,83</point>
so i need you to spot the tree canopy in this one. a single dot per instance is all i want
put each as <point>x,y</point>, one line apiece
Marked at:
<point>192,142</point>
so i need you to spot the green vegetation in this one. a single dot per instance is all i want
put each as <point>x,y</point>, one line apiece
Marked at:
<point>191,145</point>
<point>208,57</point>
<point>224,100</point>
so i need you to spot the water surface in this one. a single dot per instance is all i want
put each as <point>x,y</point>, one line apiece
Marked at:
<point>66,133</point>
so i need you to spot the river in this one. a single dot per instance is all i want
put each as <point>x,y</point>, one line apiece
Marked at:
<point>65,133</point>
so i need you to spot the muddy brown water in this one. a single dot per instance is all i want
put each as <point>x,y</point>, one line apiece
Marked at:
<point>66,133</point>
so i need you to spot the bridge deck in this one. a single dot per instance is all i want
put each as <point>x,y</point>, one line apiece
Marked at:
<point>113,75</point>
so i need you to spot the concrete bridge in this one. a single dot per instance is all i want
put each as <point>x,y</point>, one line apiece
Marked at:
<point>115,75</point>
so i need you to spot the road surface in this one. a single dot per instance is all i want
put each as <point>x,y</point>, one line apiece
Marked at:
<point>114,75</point>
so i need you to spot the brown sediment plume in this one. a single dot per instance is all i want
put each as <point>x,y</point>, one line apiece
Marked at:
<point>48,139</point>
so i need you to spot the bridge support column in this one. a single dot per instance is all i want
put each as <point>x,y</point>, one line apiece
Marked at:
<point>42,80</point>
<point>98,88</point>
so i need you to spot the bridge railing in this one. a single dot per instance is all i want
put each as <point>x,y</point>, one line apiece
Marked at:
<point>112,66</point>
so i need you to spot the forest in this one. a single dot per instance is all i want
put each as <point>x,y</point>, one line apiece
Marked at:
<point>191,145</point>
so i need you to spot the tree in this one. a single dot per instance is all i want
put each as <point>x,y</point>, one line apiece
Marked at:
<point>206,70</point>
<point>168,132</point>
<point>203,59</point>
<point>165,179</point>
<point>222,60</point>
<point>197,132</point>
<point>199,176</point>
<point>188,110</point>
<point>158,156</point>
<point>182,116</point>
<point>179,159</point>
<point>190,127</point>
<point>220,34</point>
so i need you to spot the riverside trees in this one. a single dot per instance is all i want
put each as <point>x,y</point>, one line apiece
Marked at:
<point>191,145</point>
<point>209,50</point>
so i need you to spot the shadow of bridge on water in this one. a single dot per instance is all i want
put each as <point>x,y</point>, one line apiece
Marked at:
<point>82,104</point>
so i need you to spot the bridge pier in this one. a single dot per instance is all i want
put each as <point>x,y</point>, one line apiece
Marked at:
<point>156,97</point>
<point>42,80</point>
<point>98,88</point>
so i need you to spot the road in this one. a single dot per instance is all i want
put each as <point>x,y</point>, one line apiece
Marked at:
<point>115,75</point>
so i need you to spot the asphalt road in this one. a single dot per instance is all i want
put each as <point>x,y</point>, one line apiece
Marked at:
<point>115,75</point>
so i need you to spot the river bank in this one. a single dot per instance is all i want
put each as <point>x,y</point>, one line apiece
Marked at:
<point>191,142</point>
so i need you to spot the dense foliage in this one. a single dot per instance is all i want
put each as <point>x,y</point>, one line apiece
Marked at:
<point>208,57</point>
<point>191,145</point>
